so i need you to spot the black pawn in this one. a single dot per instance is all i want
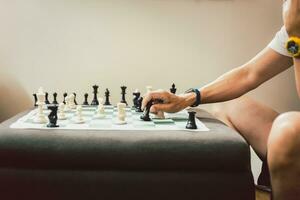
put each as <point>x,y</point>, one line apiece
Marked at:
<point>75,99</point>
<point>107,94</point>
<point>146,114</point>
<point>52,116</point>
<point>139,105</point>
<point>123,100</point>
<point>46,98</point>
<point>173,89</point>
<point>135,99</point>
<point>191,123</point>
<point>54,98</point>
<point>35,99</point>
<point>86,103</point>
<point>65,95</point>
<point>95,101</point>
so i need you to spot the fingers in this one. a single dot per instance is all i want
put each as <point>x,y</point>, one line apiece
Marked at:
<point>162,107</point>
<point>156,96</point>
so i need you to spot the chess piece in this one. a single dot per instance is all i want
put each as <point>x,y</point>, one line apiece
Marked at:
<point>121,113</point>
<point>67,104</point>
<point>107,94</point>
<point>46,98</point>
<point>86,103</point>
<point>75,102</point>
<point>40,118</point>
<point>61,112</point>
<point>149,88</point>
<point>54,98</point>
<point>78,118</point>
<point>52,116</point>
<point>173,89</point>
<point>123,100</point>
<point>95,99</point>
<point>191,123</point>
<point>65,95</point>
<point>136,95</point>
<point>139,105</point>
<point>71,101</point>
<point>100,110</point>
<point>35,100</point>
<point>146,113</point>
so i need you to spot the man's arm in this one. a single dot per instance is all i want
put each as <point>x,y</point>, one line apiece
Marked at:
<point>297,74</point>
<point>241,80</point>
<point>231,85</point>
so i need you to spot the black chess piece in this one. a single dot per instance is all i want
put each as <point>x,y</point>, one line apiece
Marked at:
<point>139,105</point>
<point>35,99</point>
<point>95,101</point>
<point>54,98</point>
<point>75,98</point>
<point>173,89</point>
<point>123,100</point>
<point>86,103</point>
<point>191,123</point>
<point>52,116</point>
<point>146,113</point>
<point>107,94</point>
<point>65,95</point>
<point>47,98</point>
<point>135,99</point>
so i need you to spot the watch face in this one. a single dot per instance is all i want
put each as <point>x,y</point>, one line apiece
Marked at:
<point>293,47</point>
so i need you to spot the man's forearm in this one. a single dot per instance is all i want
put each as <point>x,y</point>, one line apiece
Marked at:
<point>229,86</point>
<point>297,74</point>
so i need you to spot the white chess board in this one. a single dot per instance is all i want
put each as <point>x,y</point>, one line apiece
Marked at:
<point>175,121</point>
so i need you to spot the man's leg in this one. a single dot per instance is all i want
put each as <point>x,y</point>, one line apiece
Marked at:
<point>284,156</point>
<point>253,120</point>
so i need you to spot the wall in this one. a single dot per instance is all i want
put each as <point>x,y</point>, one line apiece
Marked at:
<point>69,45</point>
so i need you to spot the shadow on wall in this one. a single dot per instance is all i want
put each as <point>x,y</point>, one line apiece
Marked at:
<point>14,98</point>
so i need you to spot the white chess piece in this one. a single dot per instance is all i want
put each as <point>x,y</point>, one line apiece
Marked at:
<point>67,106</point>
<point>61,112</point>
<point>100,112</point>
<point>40,117</point>
<point>78,118</point>
<point>71,101</point>
<point>149,88</point>
<point>121,113</point>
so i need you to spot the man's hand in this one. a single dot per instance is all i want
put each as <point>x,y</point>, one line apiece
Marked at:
<point>168,102</point>
<point>291,17</point>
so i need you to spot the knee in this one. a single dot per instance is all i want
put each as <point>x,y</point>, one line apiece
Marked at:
<point>284,141</point>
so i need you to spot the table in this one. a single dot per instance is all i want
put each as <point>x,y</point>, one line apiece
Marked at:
<point>90,164</point>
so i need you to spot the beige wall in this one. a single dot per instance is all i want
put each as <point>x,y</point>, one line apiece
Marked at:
<point>68,45</point>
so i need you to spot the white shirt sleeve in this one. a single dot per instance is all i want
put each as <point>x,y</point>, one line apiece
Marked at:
<point>279,41</point>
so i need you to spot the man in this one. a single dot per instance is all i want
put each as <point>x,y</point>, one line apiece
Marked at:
<point>274,137</point>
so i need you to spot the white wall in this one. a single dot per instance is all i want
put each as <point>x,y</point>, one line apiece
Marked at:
<point>68,45</point>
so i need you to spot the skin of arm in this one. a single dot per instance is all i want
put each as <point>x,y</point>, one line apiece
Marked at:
<point>291,18</point>
<point>231,85</point>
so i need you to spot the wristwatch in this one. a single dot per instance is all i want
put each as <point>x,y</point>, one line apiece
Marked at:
<point>198,96</point>
<point>293,46</point>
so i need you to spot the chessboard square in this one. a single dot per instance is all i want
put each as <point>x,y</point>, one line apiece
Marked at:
<point>163,121</point>
<point>143,124</point>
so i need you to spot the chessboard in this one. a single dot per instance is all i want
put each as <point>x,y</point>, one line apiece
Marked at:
<point>176,121</point>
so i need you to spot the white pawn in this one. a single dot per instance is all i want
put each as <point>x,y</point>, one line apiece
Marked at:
<point>100,113</point>
<point>67,106</point>
<point>121,113</point>
<point>78,118</point>
<point>149,89</point>
<point>61,112</point>
<point>71,101</point>
<point>40,117</point>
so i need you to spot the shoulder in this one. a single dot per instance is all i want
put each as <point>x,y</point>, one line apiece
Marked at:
<point>279,41</point>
